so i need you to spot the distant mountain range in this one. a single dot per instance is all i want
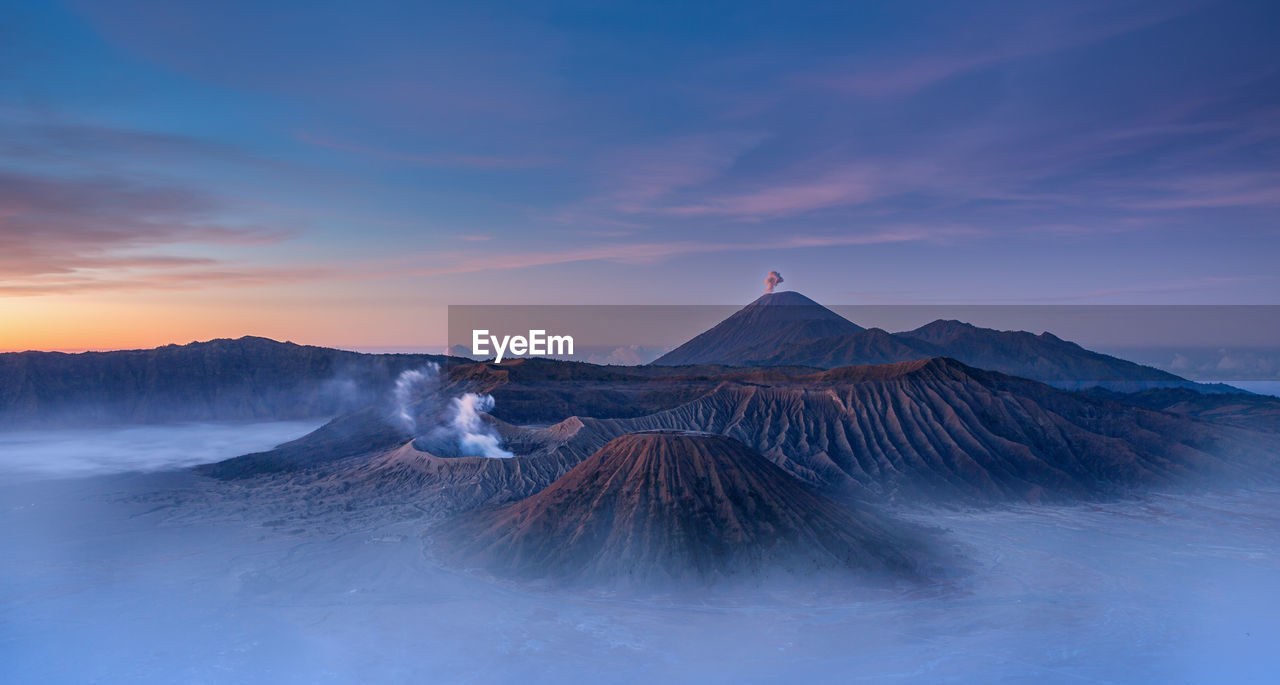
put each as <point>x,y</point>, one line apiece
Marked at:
<point>1256,412</point>
<point>929,430</point>
<point>789,329</point>
<point>746,471</point>
<point>220,380</point>
<point>743,450</point>
<point>624,476</point>
<point>254,378</point>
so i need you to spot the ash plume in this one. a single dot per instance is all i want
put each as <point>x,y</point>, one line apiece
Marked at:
<point>771,281</point>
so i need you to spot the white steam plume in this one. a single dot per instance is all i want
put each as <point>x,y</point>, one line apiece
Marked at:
<point>411,385</point>
<point>771,281</point>
<point>474,436</point>
<point>459,430</point>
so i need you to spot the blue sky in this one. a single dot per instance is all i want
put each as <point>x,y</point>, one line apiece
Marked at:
<point>338,172</point>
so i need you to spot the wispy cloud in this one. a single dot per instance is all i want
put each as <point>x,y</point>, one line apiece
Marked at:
<point>1182,285</point>
<point>140,275</point>
<point>704,176</point>
<point>81,143</point>
<point>560,142</point>
<point>843,187</point>
<point>990,40</point>
<point>1204,191</point>
<point>644,252</point>
<point>60,234</point>
<point>639,178</point>
<point>476,161</point>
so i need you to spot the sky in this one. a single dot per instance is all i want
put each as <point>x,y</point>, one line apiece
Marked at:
<point>339,173</point>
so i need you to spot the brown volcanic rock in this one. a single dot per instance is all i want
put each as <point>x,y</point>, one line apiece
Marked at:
<point>928,430</point>
<point>541,391</point>
<point>660,506</point>
<point>939,430</point>
<point>447,485</point>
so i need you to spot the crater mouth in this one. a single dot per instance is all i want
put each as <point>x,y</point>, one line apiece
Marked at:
<point>448,449</point>
<point>676,431</point>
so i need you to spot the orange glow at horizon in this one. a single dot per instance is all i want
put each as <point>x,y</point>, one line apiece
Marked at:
<point>80,324</point>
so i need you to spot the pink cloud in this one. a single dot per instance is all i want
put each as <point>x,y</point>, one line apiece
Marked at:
<point>1072,27</point>
<point>123,276</point>
<point>1208,191</point>
<point>842,187</point>
<point>903,78</point>
<point>458,263</point>
<point>1199,284</point>
<point>72,234</point>
<point>636,179</point>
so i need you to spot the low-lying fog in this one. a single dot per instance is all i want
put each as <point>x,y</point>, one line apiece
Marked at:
<point>168,577</point>
<point>87,452</point>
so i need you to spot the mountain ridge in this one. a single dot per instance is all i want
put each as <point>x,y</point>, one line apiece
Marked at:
<point>742,340</point>
<point>931,430</point>
<point>669,506</point>
<point>224,379</point>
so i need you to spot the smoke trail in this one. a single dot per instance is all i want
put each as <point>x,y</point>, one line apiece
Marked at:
<point>771,281</point>
<point>411,385</point>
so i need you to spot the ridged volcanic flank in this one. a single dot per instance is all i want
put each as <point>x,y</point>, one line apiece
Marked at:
<point>661,506</point>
